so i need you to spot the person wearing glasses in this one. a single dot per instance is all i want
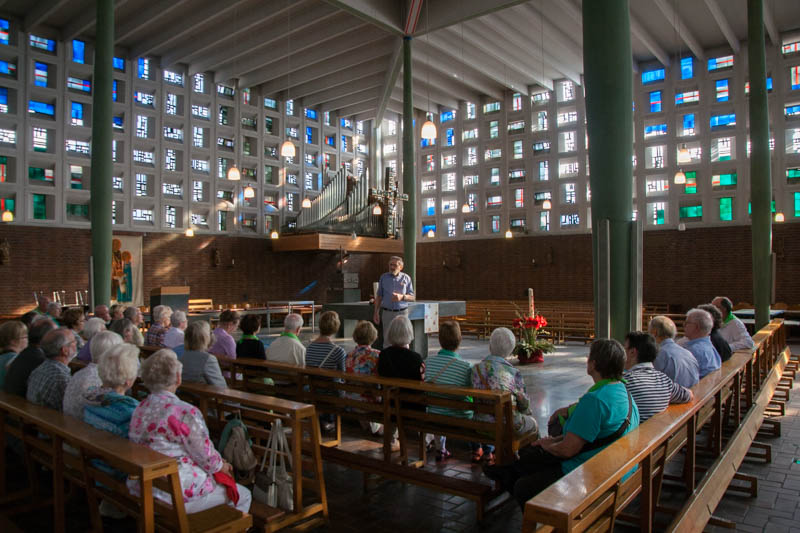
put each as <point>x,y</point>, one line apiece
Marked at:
<point>697,329</point>
<point>395,290</point>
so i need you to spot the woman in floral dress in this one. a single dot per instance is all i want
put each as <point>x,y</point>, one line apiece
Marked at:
<point>364,360</point>
<point>173,427</point>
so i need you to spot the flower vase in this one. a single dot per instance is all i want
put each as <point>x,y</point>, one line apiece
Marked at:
<point>527,356</point>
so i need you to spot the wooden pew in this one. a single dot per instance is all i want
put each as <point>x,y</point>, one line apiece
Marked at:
<point>200,304</point>
<point>389,405</point>
<point>594,495</point>
<point>46,432</point>
<point>258,412</point>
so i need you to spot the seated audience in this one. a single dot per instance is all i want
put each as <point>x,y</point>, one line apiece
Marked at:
<point>364,360</point>
<point>224,345</point>
<point>13,339</point>
<point>496,373</point>
<point>116,311</point>
<point>287,348</point>
<point>73,319</point>
<point>719,342</point>
<point>87,379</point>
<point>54,313</point>
<point>697,328</point>
<point>126,329</point>
<point>675,361</point>
<point>101,311</point>
<point>28,318</point>
<point>733,330</point>
<point>652,390</point>
<point>135,316</point>
<point>199,366</point>
<point>27,360</point>
<point>322,352</point>
<point>93,326</point>
<point>447,368</point>
<point>398,360</point>
<point>174,335</point>
<point>159,325</point>
<point>168,425</point>
<point>249,344</point>
<point>47,383</point>
<point>602,415</point>
<point>107,407</point>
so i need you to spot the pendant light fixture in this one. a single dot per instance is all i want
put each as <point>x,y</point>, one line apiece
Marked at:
<point>428,127</point>
<point>377,211</point>
<point>465,208</point>
<point>274,234</point>
<point>8,216</point>
<point>189,232</point>
<point>680,178</point>
<point>249,192</point>
<point>547,205</point>
<point>779,217</point>
<point>233,173</point>
<point>509,234</point>
<point>306,203</point>
<point>431,234</point>
<point>288,148</point>
<point>683,153</point>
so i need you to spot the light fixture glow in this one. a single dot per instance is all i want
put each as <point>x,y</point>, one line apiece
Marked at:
<point>431,234</point>
<point>234,174</point>
<point>547,205</point>
<point>428,130</point>
<point>287,149</point>
<point>189,232</point>
<point>8,216</point>
<point>680,178</point>
<point>681,227</point>
<point>249,192</point>
<point>779,217</point>
<point>377,210</point>
<point>683,155</point>
<point>306,203</point>
<point>273,235</point>
<point>465,208</point>
<point>508,234</point>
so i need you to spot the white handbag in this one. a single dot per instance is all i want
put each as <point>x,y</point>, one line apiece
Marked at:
<point>274,487</point>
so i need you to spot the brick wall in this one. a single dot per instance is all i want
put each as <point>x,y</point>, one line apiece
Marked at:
<point>680,268</point>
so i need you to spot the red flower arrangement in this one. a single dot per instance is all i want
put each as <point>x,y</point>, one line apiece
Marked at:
<point>529,347</point>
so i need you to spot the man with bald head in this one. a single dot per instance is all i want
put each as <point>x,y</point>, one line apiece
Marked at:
<point>732,330</point>
<point>46,384</point>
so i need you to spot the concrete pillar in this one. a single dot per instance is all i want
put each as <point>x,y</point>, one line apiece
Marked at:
<point>409,176</point>
<point>609,111</point>
<point>102,163</point>
<point>760,175</point>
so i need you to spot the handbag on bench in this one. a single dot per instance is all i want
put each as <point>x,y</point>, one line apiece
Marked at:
<point>274,487</point>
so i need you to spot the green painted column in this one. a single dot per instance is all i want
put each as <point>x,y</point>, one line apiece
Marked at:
<point>760,175</point>
<point>102,163</point>
<point>409,176</point>
<point>608,77</point>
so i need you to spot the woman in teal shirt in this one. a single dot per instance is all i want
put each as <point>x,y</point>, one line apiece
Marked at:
<point>603,414</point>
<point>13,339</point>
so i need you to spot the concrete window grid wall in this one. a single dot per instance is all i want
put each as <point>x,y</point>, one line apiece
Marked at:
<point>778,67</point>
<point>58,159</point>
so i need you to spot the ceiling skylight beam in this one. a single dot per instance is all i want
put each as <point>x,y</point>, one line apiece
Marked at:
<point>723,24</point>
<point>683,31</point>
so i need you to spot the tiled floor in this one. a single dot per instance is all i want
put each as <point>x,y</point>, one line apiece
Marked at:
<point>394,507</point>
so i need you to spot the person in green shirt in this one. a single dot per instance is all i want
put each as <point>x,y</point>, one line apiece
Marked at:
<point>249,345</point>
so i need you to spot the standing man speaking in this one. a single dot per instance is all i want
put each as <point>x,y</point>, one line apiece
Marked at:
<point>394,293</point>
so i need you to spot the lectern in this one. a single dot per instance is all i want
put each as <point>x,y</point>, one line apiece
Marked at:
<point>175,297</point>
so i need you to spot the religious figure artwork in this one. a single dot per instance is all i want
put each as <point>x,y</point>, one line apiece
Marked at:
<point>126,270</point>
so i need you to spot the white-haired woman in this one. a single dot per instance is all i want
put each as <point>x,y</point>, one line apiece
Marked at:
<point>108,408</point>
<point>174,335</point>
<point>173,427</point>
<point>87,380</point>
<point>199,366</point>
<point>398,360</point>
<point>92,327</point>
<point>496,373</point>
<point>159,327</point>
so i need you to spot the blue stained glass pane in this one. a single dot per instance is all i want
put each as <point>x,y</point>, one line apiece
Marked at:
<point>78,51</point>
<point>447,116</point>
<point>119,64</point>
<point>428,227</point>
<point>76,111</point>
<point>114,90</point>
<point>4,27</point>
<point>311,114</point>
<point>722,90</point>
<point>41,108</point>
<point>3,101</point>
<point>8,68</point>
<point>655,129</point>
<point>687,68</point>
<point>655,101</point>
<point>651,76</point>
<point>723,120</point>
<point>118,122</point>
<point>41,43</point>
<point>688,121</point>
<point>309,134</point>
<point>425,143</point>
<point>39,74</point>
<point>769,83</point>
<point>450,134</point>
<point>792,110</point>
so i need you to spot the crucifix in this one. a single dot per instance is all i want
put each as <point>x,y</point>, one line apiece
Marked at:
<point>388,199</point>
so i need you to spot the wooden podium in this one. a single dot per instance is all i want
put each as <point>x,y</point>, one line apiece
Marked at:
<point>175,297</point>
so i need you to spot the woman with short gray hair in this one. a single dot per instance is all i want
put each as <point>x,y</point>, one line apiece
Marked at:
<point>87,379</point>
<point>398,361</point>
<point>175,334</point>
<point>199,366</point>
<point>496,373</point>
<point>108,408</point>
<point>158,329</point>
<point>92,327</point>
<point>166,424</point>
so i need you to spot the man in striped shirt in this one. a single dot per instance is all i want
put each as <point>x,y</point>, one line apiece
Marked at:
<point>652,390</point>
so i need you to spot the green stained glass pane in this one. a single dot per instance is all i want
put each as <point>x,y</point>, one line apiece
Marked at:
<point>750,207</point>
<point>792,173</point>
<point>691,211</point>
<point>78,210</point>
<point>726,208</point>
<point>691,183</point>
<point>36,173</point>
<point>39,207</point>
<point>797,204</point>
<point>659,216</point>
